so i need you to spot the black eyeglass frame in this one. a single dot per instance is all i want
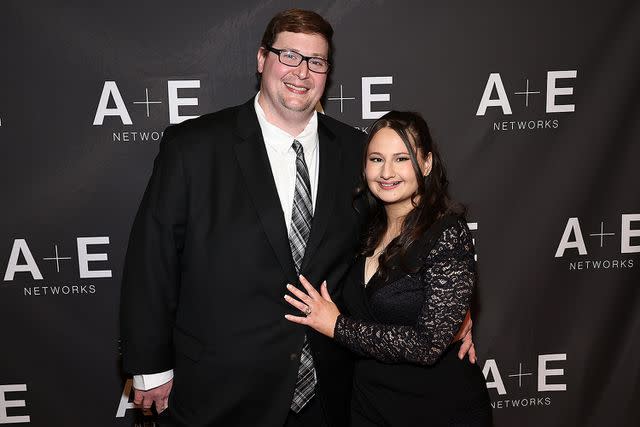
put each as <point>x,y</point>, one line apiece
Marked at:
<point>303,58</point>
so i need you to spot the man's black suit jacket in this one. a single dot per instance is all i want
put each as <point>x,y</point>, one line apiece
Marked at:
<point>207,264</point>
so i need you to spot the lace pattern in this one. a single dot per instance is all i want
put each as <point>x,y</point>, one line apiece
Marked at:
<point>448,276</point>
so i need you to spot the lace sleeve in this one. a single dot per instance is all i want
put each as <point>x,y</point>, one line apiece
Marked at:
<point>448,274</point>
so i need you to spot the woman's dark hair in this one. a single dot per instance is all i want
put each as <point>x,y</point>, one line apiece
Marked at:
<point>431,201</point>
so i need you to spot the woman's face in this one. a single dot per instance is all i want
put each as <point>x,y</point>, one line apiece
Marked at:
<point>389,171</point>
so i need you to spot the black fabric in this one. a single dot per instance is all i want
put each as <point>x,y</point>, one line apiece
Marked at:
<point>206,269</point>
<point>311,415</point>
<point>407,373</point>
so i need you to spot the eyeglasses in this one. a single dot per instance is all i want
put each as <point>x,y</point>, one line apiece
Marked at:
<point>293,59</point>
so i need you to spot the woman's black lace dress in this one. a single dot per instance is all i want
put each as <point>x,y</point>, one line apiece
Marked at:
<point>407,373</point>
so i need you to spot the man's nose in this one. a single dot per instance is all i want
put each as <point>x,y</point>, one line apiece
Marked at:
<point>302,70</point>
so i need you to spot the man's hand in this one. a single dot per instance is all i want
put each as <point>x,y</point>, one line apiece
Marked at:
<point>159,395</point>
<point>464,333</point>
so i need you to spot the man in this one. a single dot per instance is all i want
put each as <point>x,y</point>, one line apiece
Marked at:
<point>240,203</point>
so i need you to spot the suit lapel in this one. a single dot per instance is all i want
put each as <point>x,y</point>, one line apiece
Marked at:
<point>256,169</point>
<point>330,160</point>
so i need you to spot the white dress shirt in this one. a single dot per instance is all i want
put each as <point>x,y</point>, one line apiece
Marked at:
<point>282,159</point>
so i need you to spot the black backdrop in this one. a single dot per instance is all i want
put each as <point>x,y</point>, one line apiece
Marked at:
<point>550,177</point>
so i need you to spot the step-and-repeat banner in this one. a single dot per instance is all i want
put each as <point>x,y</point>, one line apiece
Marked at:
<point>535,107</point>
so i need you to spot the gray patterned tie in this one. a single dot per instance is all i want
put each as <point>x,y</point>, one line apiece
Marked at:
<point>298,235</point>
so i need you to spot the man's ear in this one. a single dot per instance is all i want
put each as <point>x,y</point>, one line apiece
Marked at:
<point>261,56</point>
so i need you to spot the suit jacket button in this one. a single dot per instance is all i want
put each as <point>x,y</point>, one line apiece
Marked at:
<point>293,356</point>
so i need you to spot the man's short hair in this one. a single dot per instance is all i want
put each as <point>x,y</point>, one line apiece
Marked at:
<point>297,21</point>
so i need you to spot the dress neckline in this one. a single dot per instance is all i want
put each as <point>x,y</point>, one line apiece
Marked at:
<point>366,282</point>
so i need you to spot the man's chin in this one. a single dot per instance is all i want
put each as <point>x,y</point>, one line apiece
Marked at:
<point>298,107</point>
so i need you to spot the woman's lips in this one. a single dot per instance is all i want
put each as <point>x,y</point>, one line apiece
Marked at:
<point>388,185</point>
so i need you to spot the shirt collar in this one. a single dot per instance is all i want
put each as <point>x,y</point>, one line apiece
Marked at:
<point>280,140</point>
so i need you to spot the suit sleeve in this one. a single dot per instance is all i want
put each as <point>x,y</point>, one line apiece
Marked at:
<point>151,276</point>
<point>448,276</point>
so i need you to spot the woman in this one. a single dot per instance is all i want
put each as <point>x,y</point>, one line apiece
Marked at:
<point>407,292</point>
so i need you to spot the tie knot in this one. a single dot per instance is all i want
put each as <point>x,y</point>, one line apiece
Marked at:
<point>297,147</point>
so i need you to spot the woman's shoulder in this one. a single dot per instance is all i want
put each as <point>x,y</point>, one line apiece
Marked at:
<point>445,227</point>
<point>448,232</point>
